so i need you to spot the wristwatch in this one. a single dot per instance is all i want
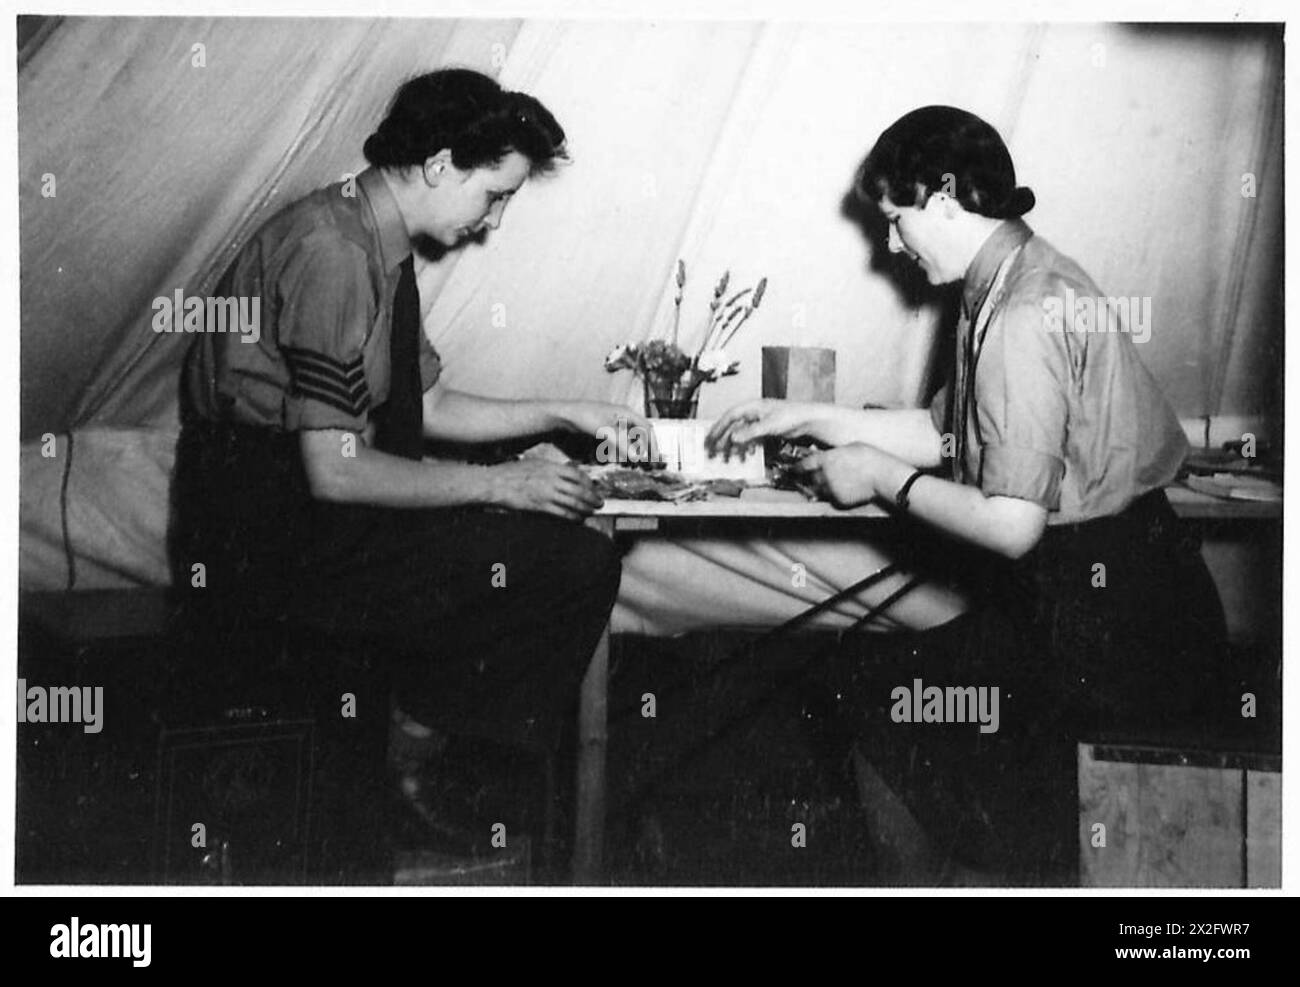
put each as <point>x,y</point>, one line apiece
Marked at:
<point>901,499</point>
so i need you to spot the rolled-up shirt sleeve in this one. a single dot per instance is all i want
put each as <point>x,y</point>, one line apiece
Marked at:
<point>326,309</point>
<point>430,362</point>
<point>939,409</point>
<point>1021,402</point>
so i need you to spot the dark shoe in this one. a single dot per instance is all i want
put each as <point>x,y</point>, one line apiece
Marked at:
<point>457,796</point>
<point>424,820</point>
<point>422,816</point>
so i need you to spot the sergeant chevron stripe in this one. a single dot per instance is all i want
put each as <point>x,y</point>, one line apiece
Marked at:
<point>333,382</point>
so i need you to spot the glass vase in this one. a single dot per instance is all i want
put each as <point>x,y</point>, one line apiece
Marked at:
<point>676,397</point>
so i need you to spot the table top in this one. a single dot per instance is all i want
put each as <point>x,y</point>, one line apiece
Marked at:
<point>1190,503</point>
<point>765,502</point>
<point>755,502</point>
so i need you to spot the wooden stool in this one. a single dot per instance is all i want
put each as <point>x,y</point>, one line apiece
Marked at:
<point>271,760</point>
<point>1168,816</point>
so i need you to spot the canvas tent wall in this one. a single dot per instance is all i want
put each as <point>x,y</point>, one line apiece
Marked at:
<point>727,144</point>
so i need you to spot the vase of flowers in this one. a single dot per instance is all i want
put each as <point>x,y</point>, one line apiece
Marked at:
<point>671,383</point>
<point>673,399</point>
<point>671,377</point>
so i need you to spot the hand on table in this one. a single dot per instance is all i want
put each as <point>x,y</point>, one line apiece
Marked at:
<point>549,488</point>
<point>743,426</point>
<point>616,423</point>
<point>852,475</point>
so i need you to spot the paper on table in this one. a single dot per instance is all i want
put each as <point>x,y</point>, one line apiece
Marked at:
<point>681,446</point>
<point>1236,487</point>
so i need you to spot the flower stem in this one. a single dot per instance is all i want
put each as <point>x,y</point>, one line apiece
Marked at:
<point>747,313</point>
<point>708,332</point>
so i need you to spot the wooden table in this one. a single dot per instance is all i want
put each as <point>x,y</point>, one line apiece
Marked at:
<point>624,517</point>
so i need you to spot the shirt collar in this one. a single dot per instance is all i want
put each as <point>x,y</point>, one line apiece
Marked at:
<point>1006,237</point>
<point>394,240</point>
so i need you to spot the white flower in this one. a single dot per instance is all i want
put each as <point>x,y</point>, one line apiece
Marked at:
<point>621,357</point>
<point>714,364</point>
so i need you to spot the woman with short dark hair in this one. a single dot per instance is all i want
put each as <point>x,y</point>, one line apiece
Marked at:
<point>468,114</point>
<point>1106,619</point>
<point>942,148</point>
<point>301,482</point>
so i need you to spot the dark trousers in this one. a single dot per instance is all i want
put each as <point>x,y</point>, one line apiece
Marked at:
<point>485,621</point>
<point>1075,651</point>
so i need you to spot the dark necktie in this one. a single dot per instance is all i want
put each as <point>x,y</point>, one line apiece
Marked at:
<point>958,395</point>
<point>400,429</point>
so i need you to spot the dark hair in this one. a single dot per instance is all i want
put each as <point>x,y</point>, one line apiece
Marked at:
<point>470,115</point>
<point>942,148</point>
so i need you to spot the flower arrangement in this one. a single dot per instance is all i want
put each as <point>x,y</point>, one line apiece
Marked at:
<point>671,376</point>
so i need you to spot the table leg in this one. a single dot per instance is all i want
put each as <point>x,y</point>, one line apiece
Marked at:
<point>589,834</point>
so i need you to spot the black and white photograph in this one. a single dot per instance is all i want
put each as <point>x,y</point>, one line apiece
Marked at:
<point>772,450</point>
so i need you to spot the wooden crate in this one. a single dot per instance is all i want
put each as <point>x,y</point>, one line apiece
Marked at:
<point>1178,818</point>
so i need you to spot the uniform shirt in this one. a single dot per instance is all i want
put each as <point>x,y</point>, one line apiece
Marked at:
<point>1067,419</point>
<point>325,270</point>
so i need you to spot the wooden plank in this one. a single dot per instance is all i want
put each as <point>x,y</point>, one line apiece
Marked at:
<point>765,502</point>
<point>1187,757</point>
<point>1192,827</point>
<point>756,503</point>
<point>1166,825</point>
<point>1108,798</point>
<point>1263,829</point>
<point>629,524</point>
<point>589,838</point>
<point>1188,503</point>
<point>589,830</point>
